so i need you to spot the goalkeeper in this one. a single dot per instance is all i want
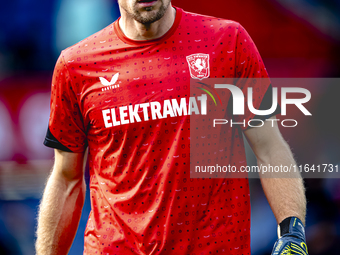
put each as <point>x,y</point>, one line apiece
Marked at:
<point>143,198</point>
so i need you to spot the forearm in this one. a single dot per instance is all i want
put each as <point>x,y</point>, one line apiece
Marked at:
<point>59,214</point>
<point>285,192</point>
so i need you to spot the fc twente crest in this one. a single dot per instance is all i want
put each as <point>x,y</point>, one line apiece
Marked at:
<point>199,65</point>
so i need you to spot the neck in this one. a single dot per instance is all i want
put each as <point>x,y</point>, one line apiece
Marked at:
<point>138,31</point>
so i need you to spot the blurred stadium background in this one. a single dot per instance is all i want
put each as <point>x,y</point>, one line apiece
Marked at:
<point>296,38</point>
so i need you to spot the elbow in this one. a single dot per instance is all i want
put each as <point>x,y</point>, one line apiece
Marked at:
<point>70,178</point>
<point>275,154</point>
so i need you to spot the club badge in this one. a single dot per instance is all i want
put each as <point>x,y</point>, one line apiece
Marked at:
<point>199,65</point>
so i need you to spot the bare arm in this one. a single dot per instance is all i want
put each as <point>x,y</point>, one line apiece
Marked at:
<point>286,196</point>
<point>61,205</point>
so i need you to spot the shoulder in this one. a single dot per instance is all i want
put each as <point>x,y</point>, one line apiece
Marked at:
<point>87,46</point>
<point>210,21</point>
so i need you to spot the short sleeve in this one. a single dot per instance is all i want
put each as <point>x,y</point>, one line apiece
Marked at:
<point>250,72</point>
<point>66,127</point>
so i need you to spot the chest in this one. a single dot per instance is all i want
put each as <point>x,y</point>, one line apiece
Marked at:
<point>126,86</point>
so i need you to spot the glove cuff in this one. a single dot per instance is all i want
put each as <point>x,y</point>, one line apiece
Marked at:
<point>293,226</point>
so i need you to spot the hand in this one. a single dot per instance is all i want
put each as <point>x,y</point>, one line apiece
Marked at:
<point>292,238</point>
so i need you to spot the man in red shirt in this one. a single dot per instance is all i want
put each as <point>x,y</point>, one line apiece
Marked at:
<point>124,93</point>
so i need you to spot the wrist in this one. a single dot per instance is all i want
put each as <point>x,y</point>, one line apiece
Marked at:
<point>291,225</point>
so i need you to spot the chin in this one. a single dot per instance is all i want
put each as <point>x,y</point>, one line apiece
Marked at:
<point>149,16</point>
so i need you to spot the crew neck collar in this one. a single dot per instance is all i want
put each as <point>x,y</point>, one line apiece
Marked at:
<point>125,39</point>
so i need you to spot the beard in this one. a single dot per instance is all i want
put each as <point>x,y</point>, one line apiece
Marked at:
<point>149,14</point>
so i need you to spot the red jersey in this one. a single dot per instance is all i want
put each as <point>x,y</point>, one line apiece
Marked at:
<point>128,102</point>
